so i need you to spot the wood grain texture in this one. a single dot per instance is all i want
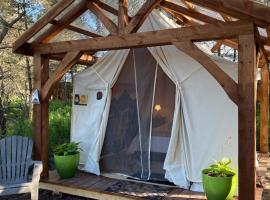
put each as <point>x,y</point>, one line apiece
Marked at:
<point>64,21</point>
<point>106,21</point>
<point>225,81</point>
<point>152,38</point>
<point>247,117</point>
<point>16,159</point>
<point>77,29</point>
<point>264,109</point>
<point>54,12</point>
<point>68,61</point>
<point>191,13</point>
<point>136,21</point>
<point>122,15</point>
<point>246,10</point>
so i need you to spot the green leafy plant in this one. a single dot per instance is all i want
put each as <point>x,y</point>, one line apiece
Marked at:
<point>220,169</point>
<point>67,149</point>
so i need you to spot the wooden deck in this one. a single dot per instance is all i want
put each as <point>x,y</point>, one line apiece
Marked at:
<point>104,188</point>
<point>100,187</point>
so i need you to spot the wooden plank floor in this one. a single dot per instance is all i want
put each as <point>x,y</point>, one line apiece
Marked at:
<point>96,187</point>
<point>99,187</point>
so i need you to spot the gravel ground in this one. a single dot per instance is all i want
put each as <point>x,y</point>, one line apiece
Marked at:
<point>43,195</point>
<point>266,191</point>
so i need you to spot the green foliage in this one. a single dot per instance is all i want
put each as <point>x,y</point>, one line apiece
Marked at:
<point>220,169</point>
<point>67,149</point>
<point>59,123</point>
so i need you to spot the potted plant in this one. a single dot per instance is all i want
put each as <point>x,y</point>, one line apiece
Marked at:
<point>219,181</point>
<point>66,159</point>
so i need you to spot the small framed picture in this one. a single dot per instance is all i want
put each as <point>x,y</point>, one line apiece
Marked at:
<point>80,100</point>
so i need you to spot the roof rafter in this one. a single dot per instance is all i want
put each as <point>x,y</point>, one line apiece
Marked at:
<point>136,21</point>
<point>228,84</point>
<point>42,22</point>
<point>68,18</point>
<point>77,29</point>
<point>68,61</point>
<point>106,21</point>
<point>191,13</point>
<point>122,15</point>
<point>85,59</point>
<point>151,38</point>
<point>248,10</point>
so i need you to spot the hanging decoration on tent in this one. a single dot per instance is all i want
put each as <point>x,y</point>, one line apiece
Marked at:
<point>35,97</point>
<point>80,100</point>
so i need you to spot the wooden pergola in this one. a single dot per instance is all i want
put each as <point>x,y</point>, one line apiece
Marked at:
<point>237,23</point>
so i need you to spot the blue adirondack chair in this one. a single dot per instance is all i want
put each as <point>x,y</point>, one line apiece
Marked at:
<point>18,172</point>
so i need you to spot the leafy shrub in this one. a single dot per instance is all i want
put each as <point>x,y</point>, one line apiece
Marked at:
<point>67,149</point>
<point>220,169</point>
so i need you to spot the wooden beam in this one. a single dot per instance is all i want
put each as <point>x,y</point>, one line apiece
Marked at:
<point>42,22</point>
<point>228,84</point>
<point>190,13</point>
<point>249,10</point>
<point>260,44</point>
<point>85,59</point>
<point>68,18</point>
<point>247,117</point>
<point>264,109</point>
<point>77,29</point>
<point>136,21</point>
<point>122,15</point>
<point>216,47</point>
<point>152,38</point>
<point>180,19</point>
<point>106,7</point>
<point>107,22</point>
<point>68,61</point>
<point>40,112</point>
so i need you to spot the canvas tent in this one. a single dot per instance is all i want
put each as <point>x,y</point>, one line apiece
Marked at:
<point>151,108</point>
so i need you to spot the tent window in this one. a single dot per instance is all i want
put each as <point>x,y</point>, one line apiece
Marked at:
<point>99,95</point>
<point>140,119</point>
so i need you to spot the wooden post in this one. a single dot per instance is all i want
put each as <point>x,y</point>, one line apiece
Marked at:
<point>247,117</point>
<point>40,119</point>
<point>264,109</point>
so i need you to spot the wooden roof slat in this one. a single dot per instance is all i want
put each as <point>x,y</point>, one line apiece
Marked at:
<point>152,38</point>
<point>191,13</point>
<point>42,22</point>
<point>106,7</point>
<point>68,18</point>
<point>107,22</point>
<point>180,19</point>
<point>136,21</point>
<point>122,15</point>
<point>249,10</point>
<point>68,61</point>
<point>85,59</point>
<point>77,29</point>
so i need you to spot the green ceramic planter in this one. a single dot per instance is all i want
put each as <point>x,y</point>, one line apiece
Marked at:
<point>66,166</point>
<point>219,188</point>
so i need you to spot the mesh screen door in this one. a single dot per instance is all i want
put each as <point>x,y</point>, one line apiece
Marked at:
<point>140,119</point>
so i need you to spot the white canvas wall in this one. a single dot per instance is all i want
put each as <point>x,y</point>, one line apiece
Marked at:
<point>205,119</point>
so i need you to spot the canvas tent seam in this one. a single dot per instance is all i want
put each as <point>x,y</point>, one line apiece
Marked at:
<point>138,110</point>
<point>151,122</point>
<point>105,82</point>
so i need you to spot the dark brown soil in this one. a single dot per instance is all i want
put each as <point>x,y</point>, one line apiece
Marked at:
<point>43,195</point>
